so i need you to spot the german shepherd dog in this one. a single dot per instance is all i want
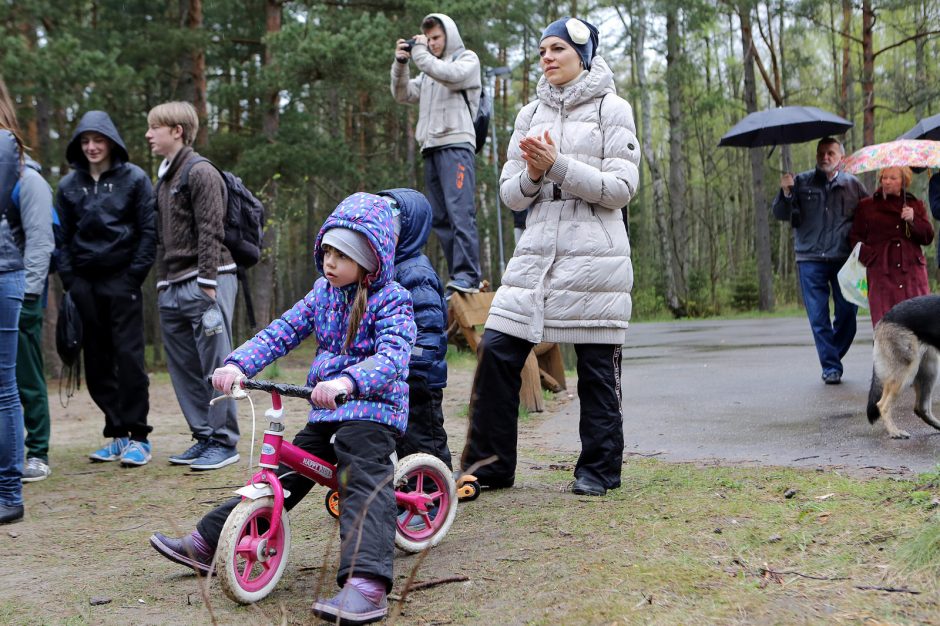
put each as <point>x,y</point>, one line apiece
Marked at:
<point>907,341</point>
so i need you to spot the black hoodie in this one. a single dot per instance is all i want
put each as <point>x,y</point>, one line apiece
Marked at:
<point>108,225</point>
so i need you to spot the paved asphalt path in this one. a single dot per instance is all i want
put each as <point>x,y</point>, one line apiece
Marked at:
<point>749,391</point>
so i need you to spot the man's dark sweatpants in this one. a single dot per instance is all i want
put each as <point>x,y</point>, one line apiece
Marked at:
<point>113,342</point>
<point>31,381</point>
<point>450,180</point>
<point>425,431</point>
<point>362,451</point>
<point>494,411</point>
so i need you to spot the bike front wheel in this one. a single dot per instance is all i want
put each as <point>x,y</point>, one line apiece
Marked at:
<point>248,562</point>
<point>429,476</point>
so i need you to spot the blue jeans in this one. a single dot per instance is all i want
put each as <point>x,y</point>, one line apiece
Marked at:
<point>833,337</point>
<point>12,287</point>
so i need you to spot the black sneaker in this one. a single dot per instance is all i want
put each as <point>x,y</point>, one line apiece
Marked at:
<point>194,452</point>
<point>215,456</point>
<point>832,377</point>
<point>462,287</point>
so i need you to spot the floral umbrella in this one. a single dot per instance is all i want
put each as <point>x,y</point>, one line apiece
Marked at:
<point>900,153</point>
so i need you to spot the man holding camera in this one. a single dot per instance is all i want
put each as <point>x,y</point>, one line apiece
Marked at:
<point>447,92</point>
<point>820,205</point>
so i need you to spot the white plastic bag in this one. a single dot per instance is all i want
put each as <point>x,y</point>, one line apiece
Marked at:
<point>853,279</point>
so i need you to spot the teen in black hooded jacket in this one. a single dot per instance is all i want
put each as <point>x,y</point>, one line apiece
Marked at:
<point>107,213</point>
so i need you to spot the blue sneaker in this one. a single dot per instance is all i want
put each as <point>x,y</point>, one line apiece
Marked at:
<point>215,456</point>
<point>136,453</point>
<point>111,451</point>
<point>194,452</point>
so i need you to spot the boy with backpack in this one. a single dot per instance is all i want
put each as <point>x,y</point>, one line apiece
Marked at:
<point>33,197</point>
<point>196,283</point>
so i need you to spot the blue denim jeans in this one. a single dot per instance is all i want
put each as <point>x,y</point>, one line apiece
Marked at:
<point>12,287</point>
<point>833,336</point>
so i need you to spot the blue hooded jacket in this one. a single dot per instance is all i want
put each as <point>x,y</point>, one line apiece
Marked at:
<point>416,274</point>
<point>377,359</point>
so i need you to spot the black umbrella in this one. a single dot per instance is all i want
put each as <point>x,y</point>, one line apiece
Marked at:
<point>784,125</point>
<point>927,128</point>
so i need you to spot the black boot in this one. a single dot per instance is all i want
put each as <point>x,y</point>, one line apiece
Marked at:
<point>10,514</point>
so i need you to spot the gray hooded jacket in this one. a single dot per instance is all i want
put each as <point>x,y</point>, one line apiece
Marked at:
<point>443,116</point>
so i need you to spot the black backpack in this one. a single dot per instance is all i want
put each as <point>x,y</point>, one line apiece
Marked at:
<point>244,215</point>
<point>481,123</point>
<point>244,223</point>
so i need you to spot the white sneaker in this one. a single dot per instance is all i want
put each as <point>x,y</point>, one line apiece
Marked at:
<point>35,469</point>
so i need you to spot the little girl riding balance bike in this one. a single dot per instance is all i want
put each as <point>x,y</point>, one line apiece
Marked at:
<point>364,327</point>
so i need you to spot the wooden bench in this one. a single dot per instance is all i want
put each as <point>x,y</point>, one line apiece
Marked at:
<point>543,367</point>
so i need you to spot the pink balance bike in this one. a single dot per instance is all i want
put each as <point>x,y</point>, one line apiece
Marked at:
<point>256,539</point>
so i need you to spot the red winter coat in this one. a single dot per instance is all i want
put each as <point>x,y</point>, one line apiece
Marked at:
<point>891,250</point>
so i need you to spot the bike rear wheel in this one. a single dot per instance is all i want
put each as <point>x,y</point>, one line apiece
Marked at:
<point>249,563</point>
<point>428,475</point>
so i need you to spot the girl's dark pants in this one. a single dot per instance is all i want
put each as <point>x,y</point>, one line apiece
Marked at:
<point>362,453</point>
<point>494,411</point>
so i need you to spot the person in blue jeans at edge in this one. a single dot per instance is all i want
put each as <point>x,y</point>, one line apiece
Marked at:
<point>364,325</point>
<point>12,290</point>
<point>447,92</point>
<point>820,205</point>
<point>427,374</point>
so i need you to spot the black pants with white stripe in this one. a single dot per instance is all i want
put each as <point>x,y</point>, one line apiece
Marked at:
<point>494,411</point>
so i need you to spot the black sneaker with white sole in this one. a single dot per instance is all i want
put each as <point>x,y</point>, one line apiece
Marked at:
<point>215,456</point>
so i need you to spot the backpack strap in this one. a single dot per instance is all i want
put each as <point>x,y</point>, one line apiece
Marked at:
<point>183,185</point>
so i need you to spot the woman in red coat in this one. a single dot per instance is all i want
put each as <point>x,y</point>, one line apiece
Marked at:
<point>892,230</point>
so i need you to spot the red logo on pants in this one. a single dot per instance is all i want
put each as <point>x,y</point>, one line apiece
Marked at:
<point>460,171</point>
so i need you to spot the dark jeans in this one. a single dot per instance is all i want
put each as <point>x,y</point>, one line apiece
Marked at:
<point>362,453</point>
<point>31,381</point>
<point>113,343</point>
<point>425,431</point>
<point>494,411</point>
<point>833,336</point>
<point>450,180</point>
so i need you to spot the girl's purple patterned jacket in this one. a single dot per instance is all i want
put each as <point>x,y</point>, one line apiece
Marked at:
<point>378,358</point>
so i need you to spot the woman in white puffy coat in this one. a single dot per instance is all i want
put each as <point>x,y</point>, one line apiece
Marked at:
<point>573,162</point>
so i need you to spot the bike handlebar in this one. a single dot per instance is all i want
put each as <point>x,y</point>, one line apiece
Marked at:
<point>284,389</point>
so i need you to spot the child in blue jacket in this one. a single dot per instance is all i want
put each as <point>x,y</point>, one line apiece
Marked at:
<point>364,325</point>
<point>427,374</point>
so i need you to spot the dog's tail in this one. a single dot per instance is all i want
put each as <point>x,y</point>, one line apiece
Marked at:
<point>874,395</point>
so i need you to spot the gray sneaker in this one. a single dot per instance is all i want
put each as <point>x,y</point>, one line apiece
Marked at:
<point>215,456</point>
<point>35,469</point>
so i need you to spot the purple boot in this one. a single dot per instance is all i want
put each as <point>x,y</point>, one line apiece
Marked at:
<point>350,608</point>
<point>190,550</point>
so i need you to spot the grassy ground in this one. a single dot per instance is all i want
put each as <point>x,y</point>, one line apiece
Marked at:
<point>677,544</point>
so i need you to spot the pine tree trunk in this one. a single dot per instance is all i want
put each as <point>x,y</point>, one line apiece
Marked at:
<point>761,221</point>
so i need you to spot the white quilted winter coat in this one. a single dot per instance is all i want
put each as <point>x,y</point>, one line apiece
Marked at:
<point>570,277</point>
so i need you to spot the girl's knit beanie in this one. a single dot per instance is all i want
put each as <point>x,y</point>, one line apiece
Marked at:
<point>354,245</point>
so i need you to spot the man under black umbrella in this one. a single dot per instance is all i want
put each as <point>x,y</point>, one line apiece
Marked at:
<point>820,204</point>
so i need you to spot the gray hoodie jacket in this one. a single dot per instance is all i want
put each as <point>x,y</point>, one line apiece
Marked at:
<point>443,116</point>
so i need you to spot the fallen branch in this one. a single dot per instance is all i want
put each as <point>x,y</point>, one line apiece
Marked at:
<point>802,575</point>
<point>440,581</point>
<point>890,589</point>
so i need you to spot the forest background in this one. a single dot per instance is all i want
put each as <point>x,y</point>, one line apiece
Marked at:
<point>294,98</point>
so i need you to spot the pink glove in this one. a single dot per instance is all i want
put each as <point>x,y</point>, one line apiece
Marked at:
<point>224,378</point>
<point>324,394</point>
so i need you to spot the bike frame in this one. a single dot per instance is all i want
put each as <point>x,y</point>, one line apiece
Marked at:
<point>275,452</point>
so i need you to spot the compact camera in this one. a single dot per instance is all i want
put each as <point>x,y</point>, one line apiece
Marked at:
<point>409,44</point>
